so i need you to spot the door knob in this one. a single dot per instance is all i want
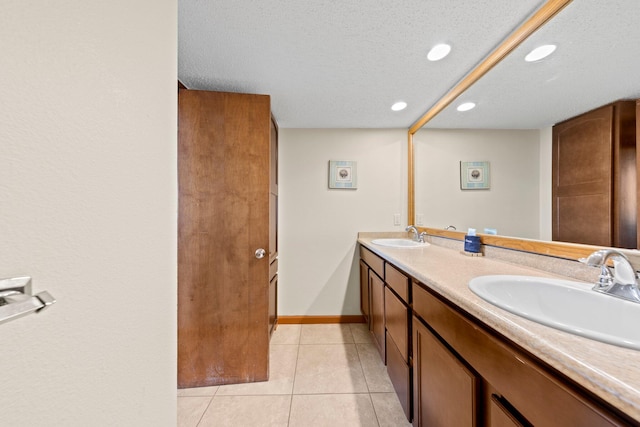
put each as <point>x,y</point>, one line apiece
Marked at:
<point>260,253</point>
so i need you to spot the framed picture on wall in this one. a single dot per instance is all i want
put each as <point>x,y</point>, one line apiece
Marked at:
<point>474,176</point>
<point>343,174</point>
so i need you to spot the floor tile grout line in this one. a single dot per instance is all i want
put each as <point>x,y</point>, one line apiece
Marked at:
<point>366,381</point>
<point>295,373</point>
<point>374,409</point>
<point>205,410</point>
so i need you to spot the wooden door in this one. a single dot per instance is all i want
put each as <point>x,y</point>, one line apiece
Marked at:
<point>223,218</point>
<point>273,226</point>
<point>637,172</point>
<point>273,191</point>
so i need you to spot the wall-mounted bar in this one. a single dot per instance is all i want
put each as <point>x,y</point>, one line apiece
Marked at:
<point>16,299</point>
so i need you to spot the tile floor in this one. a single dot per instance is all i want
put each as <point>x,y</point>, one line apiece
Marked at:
<point>321,375</point>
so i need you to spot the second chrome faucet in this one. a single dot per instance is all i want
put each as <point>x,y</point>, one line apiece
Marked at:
<point>621,281</point>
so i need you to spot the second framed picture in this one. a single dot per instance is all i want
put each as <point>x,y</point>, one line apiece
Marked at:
<point>474,176</point>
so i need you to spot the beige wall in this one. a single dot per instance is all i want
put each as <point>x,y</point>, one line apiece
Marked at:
<point>88,208</point>
<point>545,182</point>
<point>318,268</point>
<point>511,205</point>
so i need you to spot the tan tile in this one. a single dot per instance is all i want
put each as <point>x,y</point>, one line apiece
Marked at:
<point>388,410</point>
<point>360,332</point>
<point>332,410</point>
<point>198,391</point>
<point>334,333</point>
<point>286,334</point>
<point>282,369</point>
<point>191,409</point>
<point>254,411</point>
<point>329,368</point>
<point>375,372</point>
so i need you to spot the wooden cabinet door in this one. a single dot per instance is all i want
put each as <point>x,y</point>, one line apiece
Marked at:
<point>399,374</point>
<point>594,187</point>
<point>223,218</point>
<point>444,389</point>
<point>376,292</point>
<point>582,179</point>
<point>500,415</point>
<point>364,290</point>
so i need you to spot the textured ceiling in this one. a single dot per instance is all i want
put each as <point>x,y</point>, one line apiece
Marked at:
<point>597,62</point>
<point>341,64</point>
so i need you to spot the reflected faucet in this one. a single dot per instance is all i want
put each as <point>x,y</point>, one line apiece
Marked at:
<point>418,237</point>
<point>621,281</point>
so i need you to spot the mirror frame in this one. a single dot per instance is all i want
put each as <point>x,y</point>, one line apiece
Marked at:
<point>559,249</point>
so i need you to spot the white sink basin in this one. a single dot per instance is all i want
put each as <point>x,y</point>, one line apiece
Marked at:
<point>399,243</point>
<point>566,305</point>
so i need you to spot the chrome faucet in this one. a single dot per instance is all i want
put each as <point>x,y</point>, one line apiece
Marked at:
<point>418,237</point>
<point>622,281</point>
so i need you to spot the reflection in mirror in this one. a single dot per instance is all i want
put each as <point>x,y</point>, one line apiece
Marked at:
<point>511,206</point>
<point>517,105</point>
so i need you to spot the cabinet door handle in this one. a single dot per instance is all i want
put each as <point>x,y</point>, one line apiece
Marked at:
<point>260,253</point>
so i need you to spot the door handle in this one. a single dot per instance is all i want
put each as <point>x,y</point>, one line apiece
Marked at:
<point>16,299</point>
<point>260,253</point>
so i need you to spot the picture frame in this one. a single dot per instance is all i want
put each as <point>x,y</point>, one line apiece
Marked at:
<point>474,176</point>
<point>343,174</point>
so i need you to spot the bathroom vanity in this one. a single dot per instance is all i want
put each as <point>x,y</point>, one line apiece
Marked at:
<point>455,359</point>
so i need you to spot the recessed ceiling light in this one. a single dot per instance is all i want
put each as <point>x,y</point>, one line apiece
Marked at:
<point>438,52</point>
<point>400,105</point>
<point>540,53</point>
<point>466,106</point>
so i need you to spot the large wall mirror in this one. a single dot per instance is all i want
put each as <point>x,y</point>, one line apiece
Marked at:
<point>517,103</point>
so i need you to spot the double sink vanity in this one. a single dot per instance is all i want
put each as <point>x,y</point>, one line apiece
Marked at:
<point>457,353</point>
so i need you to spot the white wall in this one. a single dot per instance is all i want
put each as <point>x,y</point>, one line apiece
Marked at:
<point>318,264</point>
<point>546,145</point>
<point>88,208</point>
<point>511,205</point>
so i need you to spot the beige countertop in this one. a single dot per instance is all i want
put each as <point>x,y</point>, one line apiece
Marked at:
<point>608,371</point>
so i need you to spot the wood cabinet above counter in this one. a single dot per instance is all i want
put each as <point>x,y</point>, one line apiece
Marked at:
<point>602,375</point>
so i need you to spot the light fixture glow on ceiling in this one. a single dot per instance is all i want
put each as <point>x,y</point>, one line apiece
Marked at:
<point>400,105</point>
<point>438,52</point>
<point>466,106</point>
<point>540,53</point>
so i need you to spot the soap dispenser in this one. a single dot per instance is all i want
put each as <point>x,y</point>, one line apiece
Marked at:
<point>471,241</point>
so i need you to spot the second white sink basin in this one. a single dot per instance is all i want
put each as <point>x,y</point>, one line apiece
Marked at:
<point>566,305</point>
<point>399,243</point>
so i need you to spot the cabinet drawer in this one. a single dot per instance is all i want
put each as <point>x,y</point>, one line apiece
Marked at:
<point>374,261</point>
<point>397,321</point>
<point>397,281</point>
<point>400,375</point>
